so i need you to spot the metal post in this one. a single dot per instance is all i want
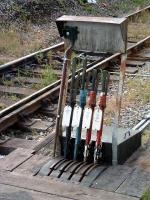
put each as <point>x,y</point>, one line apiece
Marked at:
<point>118,108</point>
<point>63,93</point>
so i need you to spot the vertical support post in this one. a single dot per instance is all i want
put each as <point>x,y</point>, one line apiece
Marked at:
<point>63,93</point>
<point>118,108</point>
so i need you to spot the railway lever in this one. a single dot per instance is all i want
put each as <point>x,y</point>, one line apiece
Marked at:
<point>88,116</point>
<point>82,103</point>
<point>100,118</point>
<point>71,36</point>
<point>70,106</point>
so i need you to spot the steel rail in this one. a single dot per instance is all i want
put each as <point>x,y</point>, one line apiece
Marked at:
<point>37,94</point>
<point>30,104</point>
<point>134,14</point>
<point>24,59</point>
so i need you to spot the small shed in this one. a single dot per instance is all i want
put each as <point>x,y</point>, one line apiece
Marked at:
<point>96,34</point>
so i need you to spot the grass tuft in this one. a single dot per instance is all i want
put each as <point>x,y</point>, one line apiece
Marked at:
<point>48,75</point>
<point>146,196</point>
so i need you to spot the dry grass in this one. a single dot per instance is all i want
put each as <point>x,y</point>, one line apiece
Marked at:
<point>14,43</point>
<point>145,136</point>
<point>138,31</point>
<point>140,27</point>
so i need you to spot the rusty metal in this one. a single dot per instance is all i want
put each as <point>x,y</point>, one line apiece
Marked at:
<point>118,108</point>
<point>102,105</point>
<point>62,94</point>
<point>120,88</point>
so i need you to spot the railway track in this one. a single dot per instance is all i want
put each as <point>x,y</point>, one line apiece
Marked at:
<point>27,75</point>
<point>29,123</point>
<point>46,99</point>
<point>20,116</point>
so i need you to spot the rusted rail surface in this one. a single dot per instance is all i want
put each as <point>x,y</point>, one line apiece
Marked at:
<point>30,104</point>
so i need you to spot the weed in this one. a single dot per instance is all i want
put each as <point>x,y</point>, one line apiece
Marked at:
<point>146,196</point>
<point>127,6</point>
<point>82,2</point>
<point>39,58</point>
<point>62,4</point>
<point>21,11</point>
<point>48,75</point>
<point>7,83</point>
<point>89,8</point>
<point>139,2</point>
<point>13,97</point>
<point>24,72</point>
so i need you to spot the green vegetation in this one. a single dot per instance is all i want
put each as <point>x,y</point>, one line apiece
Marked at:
<point>22,12</point>
<point>62,4</point>
<point>13,97</point>
<point>129,5</point>
<point>48,75</point>
<point>87,7</point>
<point>140,2</point>
<point>146,196</point>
